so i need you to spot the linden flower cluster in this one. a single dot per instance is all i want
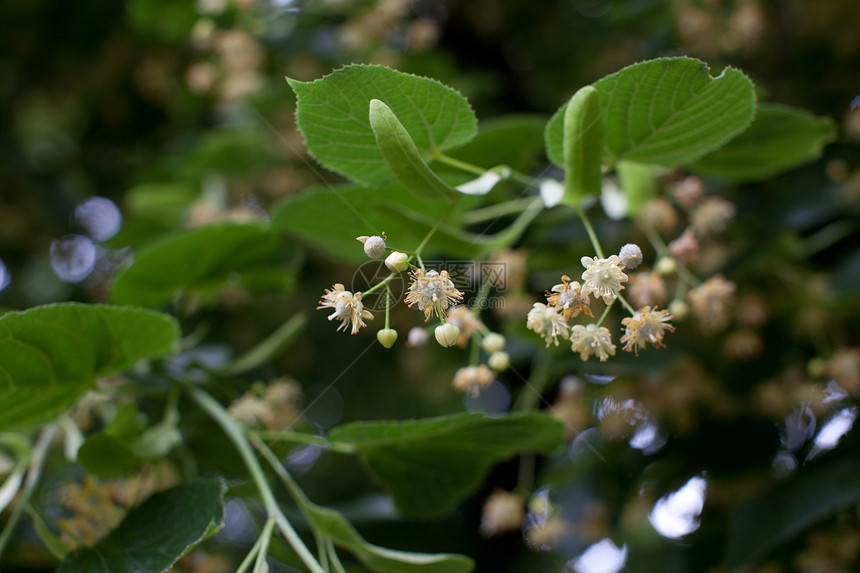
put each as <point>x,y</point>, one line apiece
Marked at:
<point>433,292</point>
<point>604,278</point>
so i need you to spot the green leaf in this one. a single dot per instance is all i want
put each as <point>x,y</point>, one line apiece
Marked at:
<point>200,259</point>
<point>582,146</point>
<point>331,218</point>
<point>334,525</point>
<point>790,508</point>
<point>638,183</point>
<point>667,111</point>
<point>333,115</point>
<point>429,466</point>
<point>106,455</point>
<point>51,355</point>
<point>780,138</point>
<point>402,155</point>
<point>154,535</point>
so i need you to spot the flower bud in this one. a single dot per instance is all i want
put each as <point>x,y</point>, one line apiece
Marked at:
<point>665,266</point>
<point>397,261</point>
<point>630,255</point>
<point>494,342</point>
<point>417,336</point>
<point>499,361</point>
<point>374,247</point>
<point>387,337</point>
<point>447,334</point>
<point>679,309</point>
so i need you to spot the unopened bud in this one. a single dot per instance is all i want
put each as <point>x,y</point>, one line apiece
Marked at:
<point>665,266</point>
<point>417,336</point>
<point>387,337</point>
<point>499,361</point>
<point>397,261</point>
<point>630,255</point>
<point>447,334</point>
<point>679,309</point>
<point>494,342</point>
<point>374,247</point>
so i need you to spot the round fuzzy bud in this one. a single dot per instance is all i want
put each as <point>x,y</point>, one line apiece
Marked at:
<point>494,342</point>
<point>665,266</point>
<point>630,255</point>
<point>679,309</point>
<point>499,361</point>
<point>396,261</point>
<point>374,247</point>
<point>417,336</point>
<point>387,337</point>
<point>447,334</point>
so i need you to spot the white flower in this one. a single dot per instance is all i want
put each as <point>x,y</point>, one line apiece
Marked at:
<point>591,339</point>
<point>432,291</point>
<point>503,512</point>
<point>472,378</point>
<point>551,191</point>
<point>348,307</point>
<point>485,183</point>
<point>710,302</point>
<point>567,298</point>
<point>547,322</point>
<point>603,277</point>
<point>646,326</point>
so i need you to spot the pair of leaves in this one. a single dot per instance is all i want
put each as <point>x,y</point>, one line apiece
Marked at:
<point>155,534</point>
<point>670,112</point>
<point>371,122</point>
<point>51,355</point>
<point>429,466</point>
<point>666,112</point>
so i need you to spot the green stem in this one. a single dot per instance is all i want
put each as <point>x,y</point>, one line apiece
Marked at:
<point>531,396</point>
<point>304,438</point>
<point>37,462</point>
<point>457,164</point>
<point>387,307</point>
<point>237,436</point>
<point>432,231</point>
<point>504,239</point>
<point>626,304</point>
<point>288,481</point>
<point>662,250</point>
<point>495,211</point>
<point>383,283</point>
<point>255,549</point>
<point>335,560</point>
<point>605,314</point>
<point>592,236</point>
<point>260,566</point>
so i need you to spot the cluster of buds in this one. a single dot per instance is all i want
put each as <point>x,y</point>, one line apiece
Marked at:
<point>709,301</point>
<point>604,278</point>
